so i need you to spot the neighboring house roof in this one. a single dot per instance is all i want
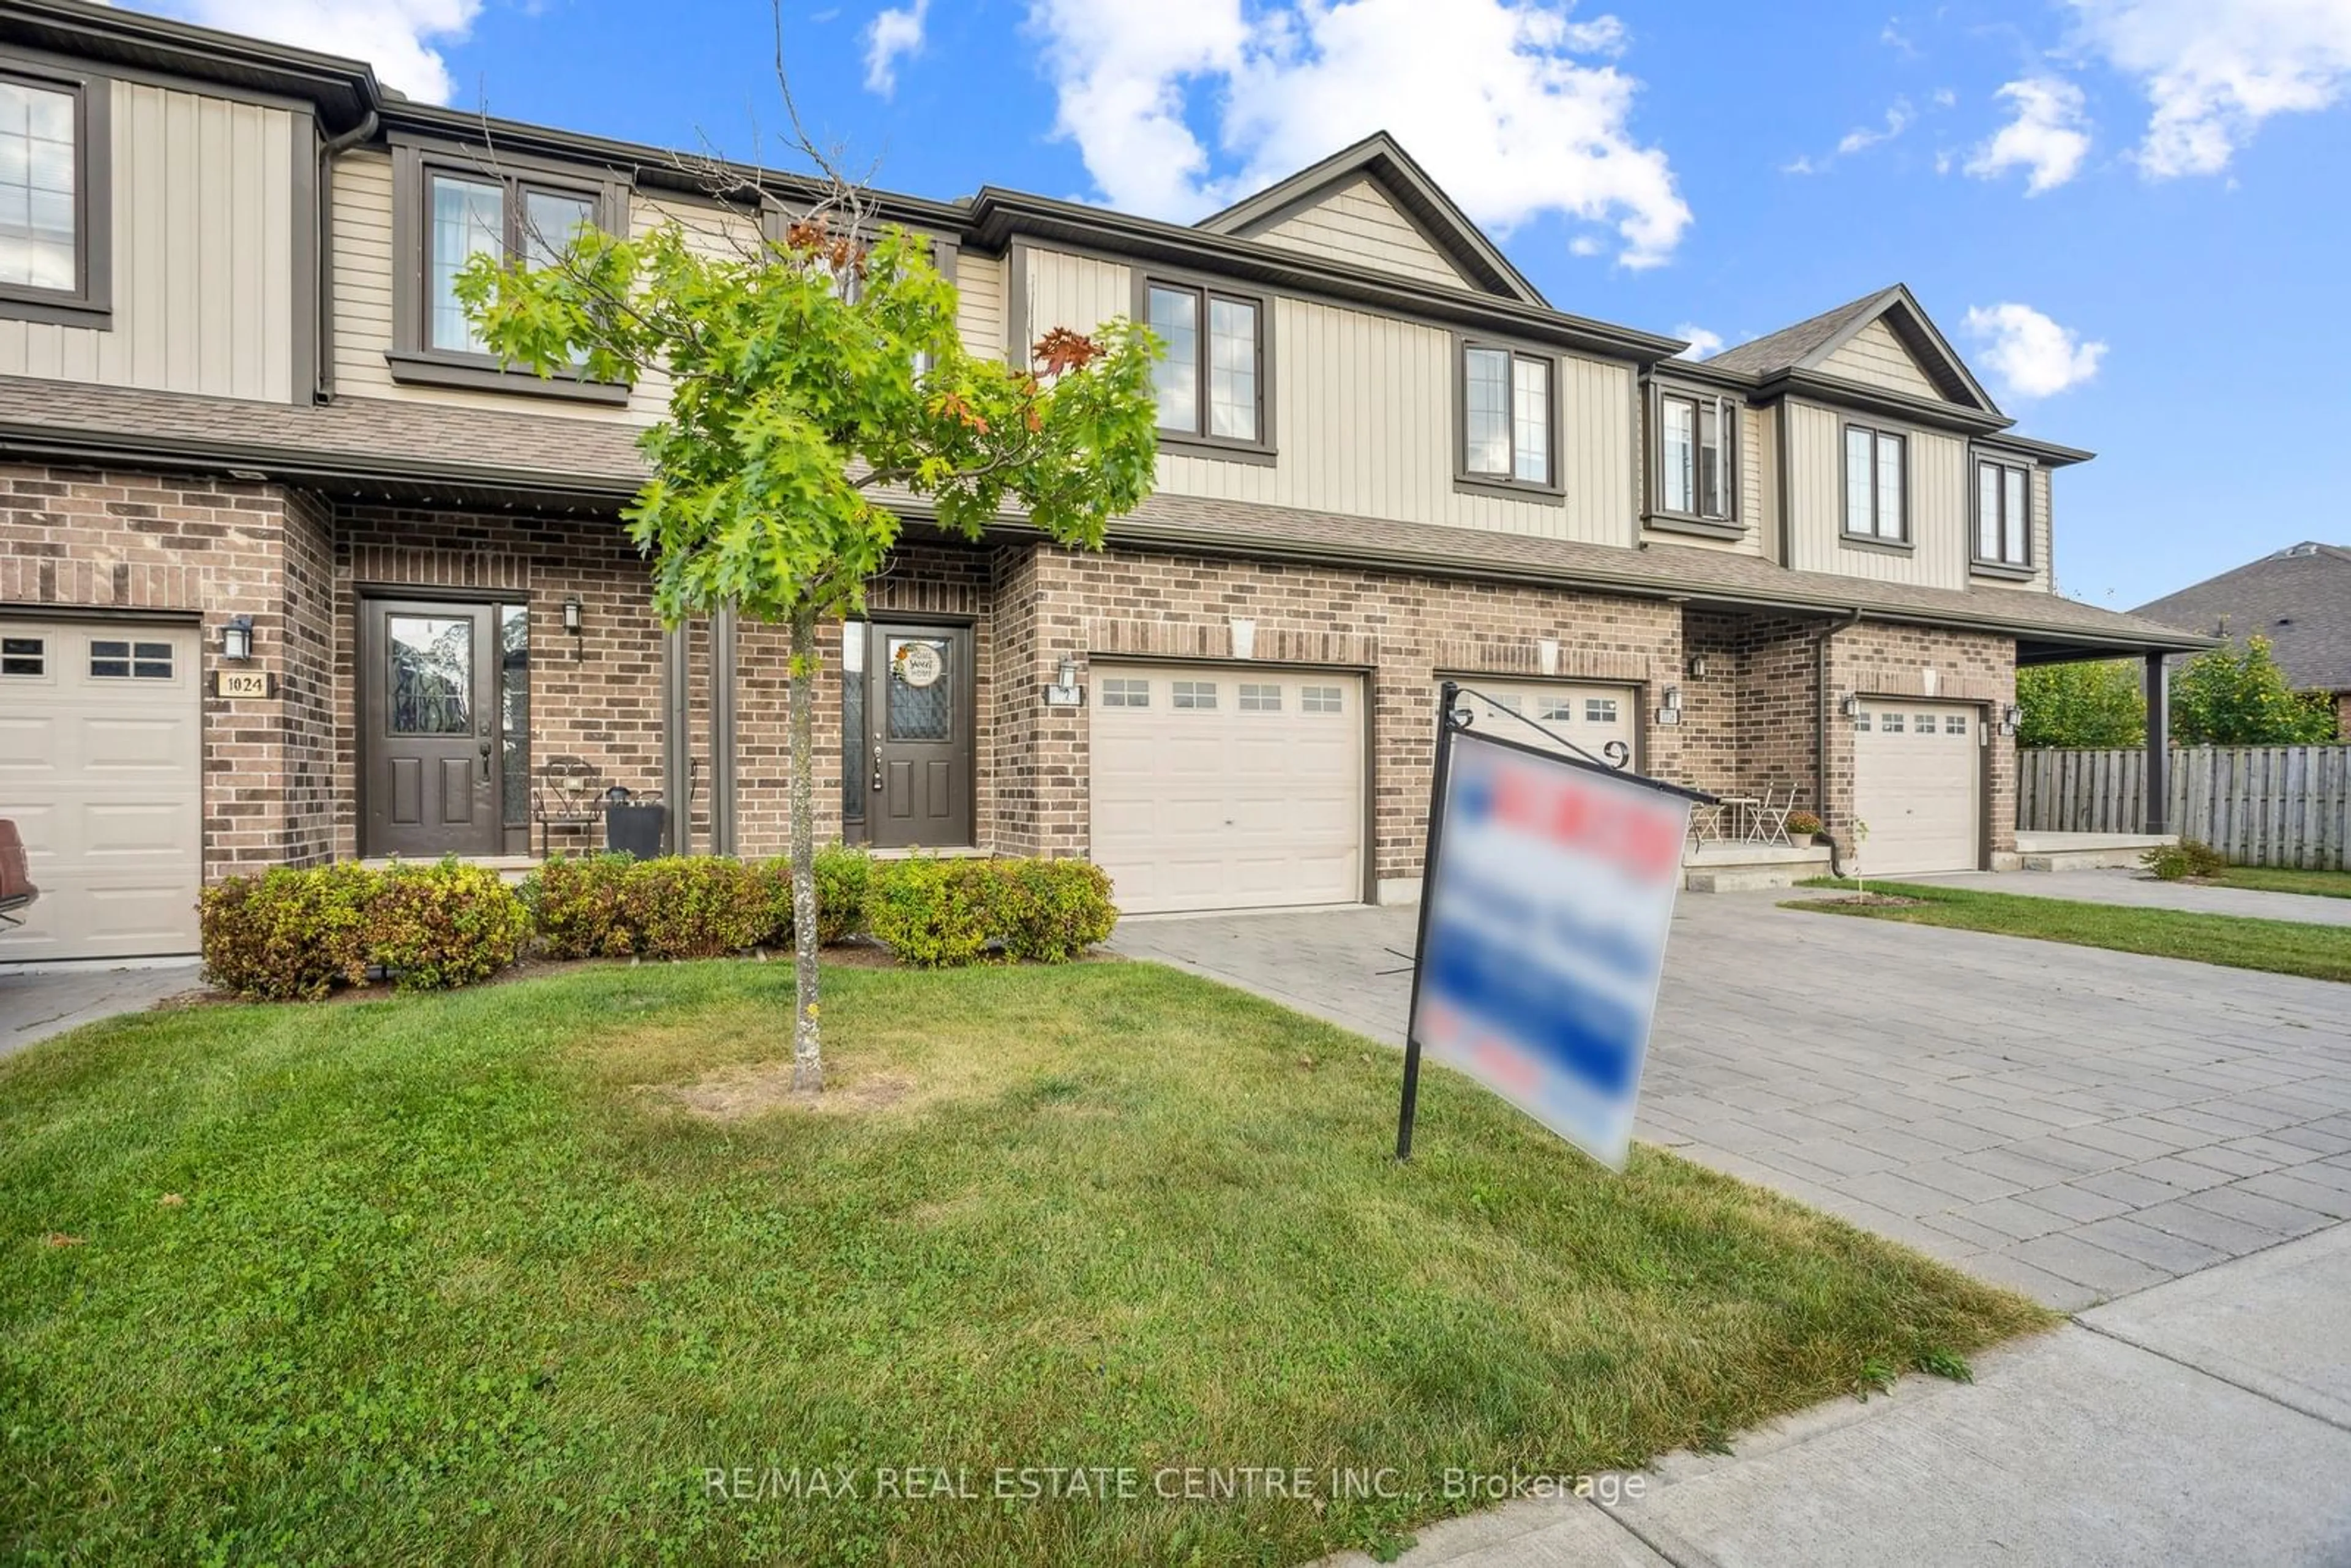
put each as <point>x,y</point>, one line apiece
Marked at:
<point>426,452</point>
<point>1808,345</point>
<point>1379,158</point>
<point>2299,598</point>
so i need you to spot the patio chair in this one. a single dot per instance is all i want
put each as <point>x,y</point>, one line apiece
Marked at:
<point>569,796</point>
<point>16,889</point>
<point>1706,823</point>
<point>1771,816</point>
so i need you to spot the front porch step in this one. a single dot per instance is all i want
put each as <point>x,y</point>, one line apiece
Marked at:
<point>1741,868</point>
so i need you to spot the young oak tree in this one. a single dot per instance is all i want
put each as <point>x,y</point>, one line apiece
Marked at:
<point>817,385</point>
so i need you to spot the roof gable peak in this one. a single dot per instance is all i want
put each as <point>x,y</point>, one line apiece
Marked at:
<point>1380,159</point>
<point>1811,343</point>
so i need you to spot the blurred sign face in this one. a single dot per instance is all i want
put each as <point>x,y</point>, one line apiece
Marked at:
<point>1549,904</point>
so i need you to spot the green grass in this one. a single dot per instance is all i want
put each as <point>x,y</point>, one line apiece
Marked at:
<point>2275,946</point>
<point>462,1279</point>
<point>2282,879</point>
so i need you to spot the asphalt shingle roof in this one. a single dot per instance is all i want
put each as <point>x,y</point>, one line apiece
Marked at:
<point>361,443</point>
<point>1790,345</point>
<point>2299,598</point>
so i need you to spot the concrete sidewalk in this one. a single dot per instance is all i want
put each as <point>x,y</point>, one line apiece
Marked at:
<point>2139,890</point>
<point>35,1005</point>
<point>2207,1420</point>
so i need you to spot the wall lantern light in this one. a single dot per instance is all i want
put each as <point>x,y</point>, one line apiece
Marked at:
<point>572,616</point>
<point>1850,705</point>
<point>1067,672</point>
<point>1673,699</point>
<point>237,639</point>
<point>1064,691</point>
<point>1697,666</point>
<point>2009,717</point>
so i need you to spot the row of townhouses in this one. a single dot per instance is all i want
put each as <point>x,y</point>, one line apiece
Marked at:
<point>294,571</point>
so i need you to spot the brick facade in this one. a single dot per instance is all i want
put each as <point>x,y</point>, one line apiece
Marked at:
<point>281,776</point>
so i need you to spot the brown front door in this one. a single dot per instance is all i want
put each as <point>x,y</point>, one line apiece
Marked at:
<point>917,760</point>
<point>428,728</point>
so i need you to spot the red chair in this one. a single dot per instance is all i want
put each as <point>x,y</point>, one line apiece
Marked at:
<point>16,889</point>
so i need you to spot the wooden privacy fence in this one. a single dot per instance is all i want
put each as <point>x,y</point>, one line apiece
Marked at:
<point>2258,805</point>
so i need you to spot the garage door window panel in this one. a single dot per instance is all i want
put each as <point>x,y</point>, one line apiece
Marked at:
<point>1122,692</point>
<point>23,656</point>
<point>1320,699</point>
<point>1256,698</point>
<point>1194,695</point>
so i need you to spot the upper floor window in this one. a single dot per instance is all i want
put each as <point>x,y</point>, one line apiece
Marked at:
<point>1696,441</point>
<point>1211,385</point>
<point>454,204</point>
<point>1876,490</point>
<point>1507,418</point>
<point>2004,513</point>
<point>53,197</point>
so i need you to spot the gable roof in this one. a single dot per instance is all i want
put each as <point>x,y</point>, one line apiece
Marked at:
<point>1807,345</point>
<point>1379,158</point>
<point>2299,598</point>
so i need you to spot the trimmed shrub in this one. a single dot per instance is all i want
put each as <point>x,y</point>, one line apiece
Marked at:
<point>697,907</point>
<point>844,875</point>
<point>2169,862</point>
<point>1047,912</point>
<point>933,913</point>
<point>576,905</point>
<point>438,926</point>
<point>287,935</point>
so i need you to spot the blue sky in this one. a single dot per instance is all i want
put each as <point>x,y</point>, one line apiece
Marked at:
<point>2143,202</point>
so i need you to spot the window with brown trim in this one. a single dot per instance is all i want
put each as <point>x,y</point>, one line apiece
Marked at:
<point>1213,383</point>
<point>1508,405</point>
<point>2003,505</point>
<point>454,204</point>
<point>1698,456</point>
<point>1876,485</point>
<point>56,206</point>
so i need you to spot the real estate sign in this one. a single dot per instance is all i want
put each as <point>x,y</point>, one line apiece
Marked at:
<point>1548,896</point>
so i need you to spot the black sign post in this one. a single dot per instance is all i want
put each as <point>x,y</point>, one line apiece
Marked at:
<point>1445,727</point>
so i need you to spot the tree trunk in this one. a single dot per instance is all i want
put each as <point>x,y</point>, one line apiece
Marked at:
<point>808,1060</point>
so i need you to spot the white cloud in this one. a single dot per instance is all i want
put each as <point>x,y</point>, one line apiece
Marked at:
<point>1514,106</point>
<point>1703,344</point>
<point>396,37</point>
<point>894,32</point>
<point>2214,69</point>
<point>1862,138</point>
<point>2031,355</point>
<point>1894,38</point>
<point>1945,98</point>
<point>2048,137</point>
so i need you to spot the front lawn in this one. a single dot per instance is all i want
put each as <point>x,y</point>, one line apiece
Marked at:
<point>506,1275</point>
<point>2277,947</point>
<point>2282,879</point>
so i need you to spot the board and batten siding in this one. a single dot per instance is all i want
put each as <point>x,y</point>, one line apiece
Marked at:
<point>1940,513</point>
<point>1364,421</point>
<point>203,293</point>
<point>1875,356</point>
<point>364,270</point>
<point>1358,225</point>
<point>979,303</point>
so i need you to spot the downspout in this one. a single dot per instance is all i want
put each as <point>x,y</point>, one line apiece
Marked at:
<point>324,326</point>
<point>1829,628</point>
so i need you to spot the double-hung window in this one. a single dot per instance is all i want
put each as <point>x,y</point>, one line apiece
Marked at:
<point>1697,456</point>
<point>1507,417</point>
<point>1876,488</point>
<point>54,201</point>
<point>2004,513</point>
<point>1211,386</point>
<point>454,206</point>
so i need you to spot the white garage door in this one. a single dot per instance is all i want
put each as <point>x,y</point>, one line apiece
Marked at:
<point>100,731</point>
<point>1589,716</point>
<point>1918,768</point>
<point>1223,788</point>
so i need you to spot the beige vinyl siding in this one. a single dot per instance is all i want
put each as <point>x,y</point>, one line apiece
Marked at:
<point>1768,528</point>
<point>1875,356</point>
<point>979,303</point>
<point>203,259</point>
<point>1364,421</point>
<point>1359,227</point>
<point>364,268</point>
<point>1939,512</point>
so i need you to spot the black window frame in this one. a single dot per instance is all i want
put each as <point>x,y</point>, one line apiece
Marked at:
<point>1999,565</point>
<point>1550,490</point>
<point>1871,537</point>
<point>89,303</point>
<point>412,357</point>
<point>1206,291</point>
<point>1732,524</point>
